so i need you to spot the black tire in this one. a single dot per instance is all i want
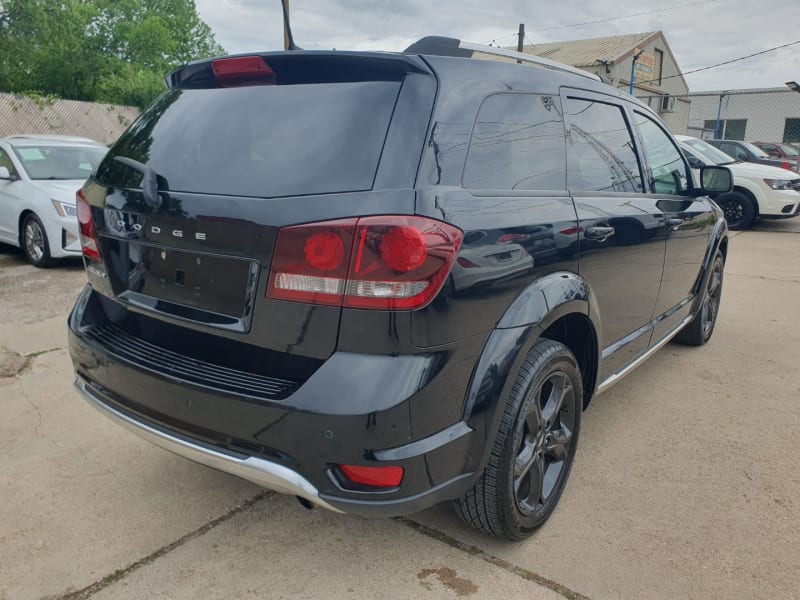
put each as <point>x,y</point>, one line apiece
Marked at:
<point>739,209</point>
<point>34,243</point>
<point>700,329</point>
<point>499,503</point>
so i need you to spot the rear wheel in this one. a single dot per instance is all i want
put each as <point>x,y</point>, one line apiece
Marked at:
<point>699,331</point>
<point>534,448</point>
<point>739,209</point>
<point>34,242</point>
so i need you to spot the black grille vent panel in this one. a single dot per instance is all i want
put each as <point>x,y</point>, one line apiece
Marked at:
<point>126,347</point>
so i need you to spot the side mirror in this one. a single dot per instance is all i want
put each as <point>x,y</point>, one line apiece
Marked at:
<point>4,174</point>
<point>716,180</point>
<point>742,156</point>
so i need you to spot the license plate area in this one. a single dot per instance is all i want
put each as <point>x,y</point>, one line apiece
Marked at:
<point>208,288</point>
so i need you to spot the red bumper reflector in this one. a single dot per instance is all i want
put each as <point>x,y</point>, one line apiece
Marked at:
<point>387,477</point>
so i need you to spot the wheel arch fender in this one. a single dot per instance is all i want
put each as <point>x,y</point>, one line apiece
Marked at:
<point>717,242</point>
<point>23,214</point>
<point>541,305</point>
<point>746,188</point>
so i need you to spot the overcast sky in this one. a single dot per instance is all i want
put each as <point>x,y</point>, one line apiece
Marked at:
<point>699,36</point>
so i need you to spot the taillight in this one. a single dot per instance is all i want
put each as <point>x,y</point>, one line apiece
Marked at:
<point>786,165</point>
<point>383,263</point>
<point>571,230</point>
<point>88,235</point>
<point>467,263</point>
<point>242,70</point>
<point>513,238</point>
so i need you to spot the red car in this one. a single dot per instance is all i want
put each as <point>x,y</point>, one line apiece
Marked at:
<point>780,150</point>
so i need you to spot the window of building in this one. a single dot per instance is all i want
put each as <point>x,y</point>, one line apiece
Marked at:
<point>729,129</point>
<point>600,148</point>
<point>658,64</point>
<point>517,144</point>
<point>667,169</point>
<point>791,132</point>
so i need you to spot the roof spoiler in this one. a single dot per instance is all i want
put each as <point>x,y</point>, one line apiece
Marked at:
<point>446,46</point>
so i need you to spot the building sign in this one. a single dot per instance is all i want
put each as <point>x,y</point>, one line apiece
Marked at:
<point>646,63</point>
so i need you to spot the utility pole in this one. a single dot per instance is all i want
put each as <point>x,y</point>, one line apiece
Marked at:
<point>521,39</point>
<point>286,45</point>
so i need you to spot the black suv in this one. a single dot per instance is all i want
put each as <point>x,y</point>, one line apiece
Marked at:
<point>381,281</point>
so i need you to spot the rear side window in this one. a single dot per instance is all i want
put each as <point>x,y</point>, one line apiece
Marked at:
<point>517,144</point>
<point>262,141</point>
<point>601,150</point>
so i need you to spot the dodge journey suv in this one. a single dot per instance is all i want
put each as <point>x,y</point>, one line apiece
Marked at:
<point>381,281</point>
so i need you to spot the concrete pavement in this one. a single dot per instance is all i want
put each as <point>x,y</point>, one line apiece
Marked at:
<point>685,484</point>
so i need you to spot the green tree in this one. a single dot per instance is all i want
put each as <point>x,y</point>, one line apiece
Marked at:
<point>102,50</point>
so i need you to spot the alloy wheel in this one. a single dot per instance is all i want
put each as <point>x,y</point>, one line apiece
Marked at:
<point>712,298</point>
<point>34,240</point>
<point>542,457</point>
<point>734,211</point>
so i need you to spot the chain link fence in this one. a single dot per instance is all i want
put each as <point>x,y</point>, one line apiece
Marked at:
<point>759,115</point>
<point>104,123</point>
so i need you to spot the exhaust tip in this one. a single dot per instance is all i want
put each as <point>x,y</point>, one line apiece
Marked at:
<point>305,503</point>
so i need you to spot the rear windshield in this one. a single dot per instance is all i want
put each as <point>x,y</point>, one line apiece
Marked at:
<point>262,141</point>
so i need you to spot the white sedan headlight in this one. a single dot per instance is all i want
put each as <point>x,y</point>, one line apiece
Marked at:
<point>64,209</point>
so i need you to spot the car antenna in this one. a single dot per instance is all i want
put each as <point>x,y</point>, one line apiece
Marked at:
<point>288,39</point>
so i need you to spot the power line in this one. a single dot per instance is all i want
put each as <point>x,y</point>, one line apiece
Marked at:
<point>502,37</point>
<point>727,62</point>
<point>650,12</point>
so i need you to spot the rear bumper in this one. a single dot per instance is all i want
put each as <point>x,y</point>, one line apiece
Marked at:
<point>293,445</point>
<point>259,471</point>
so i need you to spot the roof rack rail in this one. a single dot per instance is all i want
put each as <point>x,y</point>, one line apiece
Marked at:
<point>445,46</point>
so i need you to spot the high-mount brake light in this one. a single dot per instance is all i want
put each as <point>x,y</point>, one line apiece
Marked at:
<point>242,70</point>
<point>88,235</point>
<point>383,263</point>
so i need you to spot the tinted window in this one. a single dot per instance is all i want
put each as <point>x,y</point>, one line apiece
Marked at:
<point>602,156</point>
<point>667,169</point>
<point>733,150</point>
<point>262,141</point>
<point>517,144</point>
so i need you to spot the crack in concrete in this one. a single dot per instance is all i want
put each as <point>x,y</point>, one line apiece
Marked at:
<point>491,559</point>
<point>120,574</point>
<point>39,418</point>
<point>41,352</point>
<point>734,274</point>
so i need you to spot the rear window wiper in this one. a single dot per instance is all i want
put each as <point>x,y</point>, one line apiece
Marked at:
<point>149,180</point>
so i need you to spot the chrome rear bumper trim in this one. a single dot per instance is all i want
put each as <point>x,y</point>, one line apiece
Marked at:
<point>262,472</point>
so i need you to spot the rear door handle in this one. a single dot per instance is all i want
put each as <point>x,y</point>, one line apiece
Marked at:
<point>599,233</point>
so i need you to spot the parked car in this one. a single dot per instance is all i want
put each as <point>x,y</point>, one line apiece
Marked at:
<point>39,175</point>
<point>760,191</point>
<point>271,299</point>
<point>747,152</point>
<point>780,151</point>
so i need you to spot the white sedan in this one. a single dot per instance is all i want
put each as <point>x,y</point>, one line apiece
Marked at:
<point>39,176</point>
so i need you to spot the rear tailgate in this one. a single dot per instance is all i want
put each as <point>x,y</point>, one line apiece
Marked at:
<point>334,135</point>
